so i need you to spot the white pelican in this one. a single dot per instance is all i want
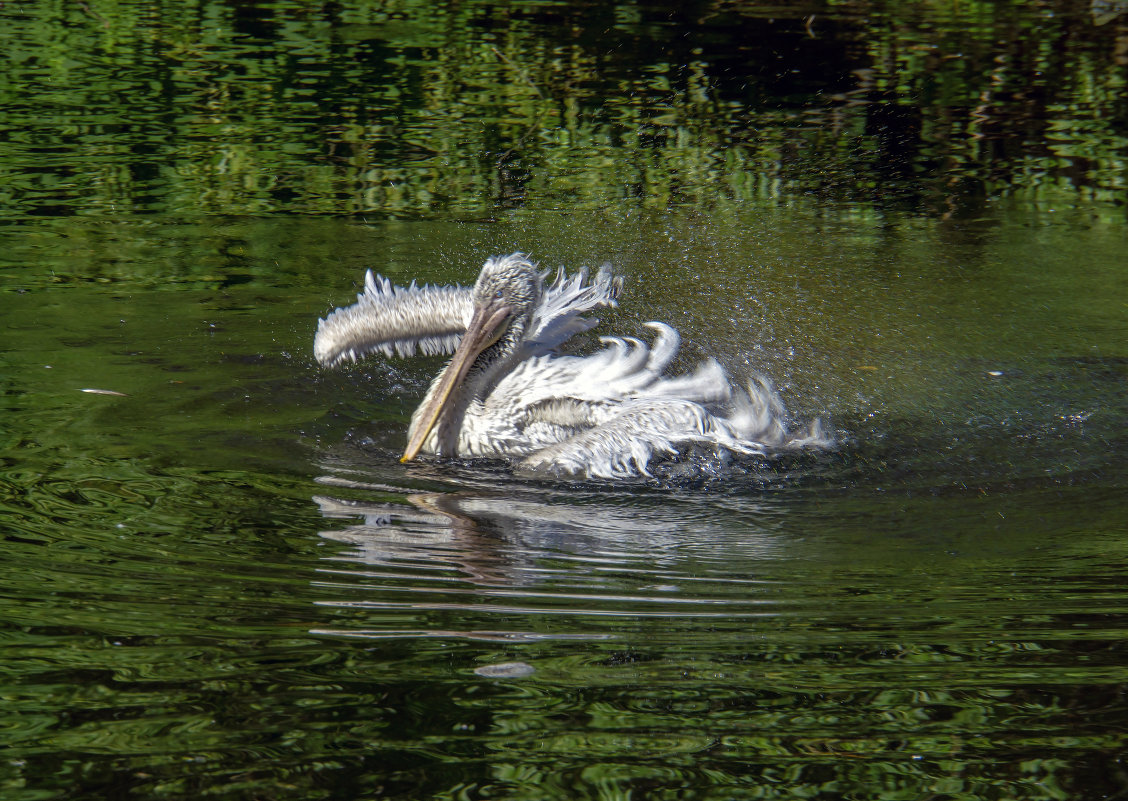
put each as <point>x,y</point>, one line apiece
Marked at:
<point>508,392</point>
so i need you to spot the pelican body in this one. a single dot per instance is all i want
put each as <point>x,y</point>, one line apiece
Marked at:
<point>509,393</point>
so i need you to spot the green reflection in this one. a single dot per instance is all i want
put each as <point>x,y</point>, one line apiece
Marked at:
<point>910,216</point>
<point>417,108</point>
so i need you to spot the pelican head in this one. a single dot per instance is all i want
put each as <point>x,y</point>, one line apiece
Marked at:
<point>504,298</point>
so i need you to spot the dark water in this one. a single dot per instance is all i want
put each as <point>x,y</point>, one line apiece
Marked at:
<point>222,583</point>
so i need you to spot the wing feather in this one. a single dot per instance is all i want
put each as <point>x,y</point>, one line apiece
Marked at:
<point>394,320</point>
<point>557,317</point>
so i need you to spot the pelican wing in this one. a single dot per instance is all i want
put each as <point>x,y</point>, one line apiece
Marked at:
<point>394,320</point>
<point>557,316</point>
<point>640,430</point>
<point>625,368</point>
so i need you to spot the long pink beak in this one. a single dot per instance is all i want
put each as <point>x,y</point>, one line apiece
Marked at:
<point>484,330</point>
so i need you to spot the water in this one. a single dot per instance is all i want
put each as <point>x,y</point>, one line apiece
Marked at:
<point>222,583</point>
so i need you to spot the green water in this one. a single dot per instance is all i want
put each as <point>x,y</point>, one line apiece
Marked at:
<point>222,583</point>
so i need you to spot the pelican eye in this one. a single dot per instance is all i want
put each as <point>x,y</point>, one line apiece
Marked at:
<point>499,294</point>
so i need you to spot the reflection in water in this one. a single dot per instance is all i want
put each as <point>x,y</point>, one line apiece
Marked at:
<point>724,634</point>
<point>433,531</point>
<point>922,107</point>
<point>910,215</point>
<point>492,553</point>
<point>1105,11</point>
<point>506,670</point>
<point>923,609</point>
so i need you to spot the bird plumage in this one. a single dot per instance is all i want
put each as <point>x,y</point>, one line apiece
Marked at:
<point>510,394</point>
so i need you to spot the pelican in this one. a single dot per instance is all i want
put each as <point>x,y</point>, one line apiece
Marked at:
<point>509,393</point>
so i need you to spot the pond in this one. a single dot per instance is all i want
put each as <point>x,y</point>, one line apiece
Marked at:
<point>220,581</point>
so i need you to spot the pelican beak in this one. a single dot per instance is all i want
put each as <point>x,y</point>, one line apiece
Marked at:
<point>485,329</point>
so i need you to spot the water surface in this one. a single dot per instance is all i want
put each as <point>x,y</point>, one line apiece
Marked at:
<point>222,583</point>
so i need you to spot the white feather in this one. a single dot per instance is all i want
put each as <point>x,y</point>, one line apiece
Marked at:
<point>609,414</point>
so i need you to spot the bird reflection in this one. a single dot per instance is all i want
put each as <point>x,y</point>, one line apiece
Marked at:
<point>492,559</point>
<point>430,526</point>
<point>491,537</point>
